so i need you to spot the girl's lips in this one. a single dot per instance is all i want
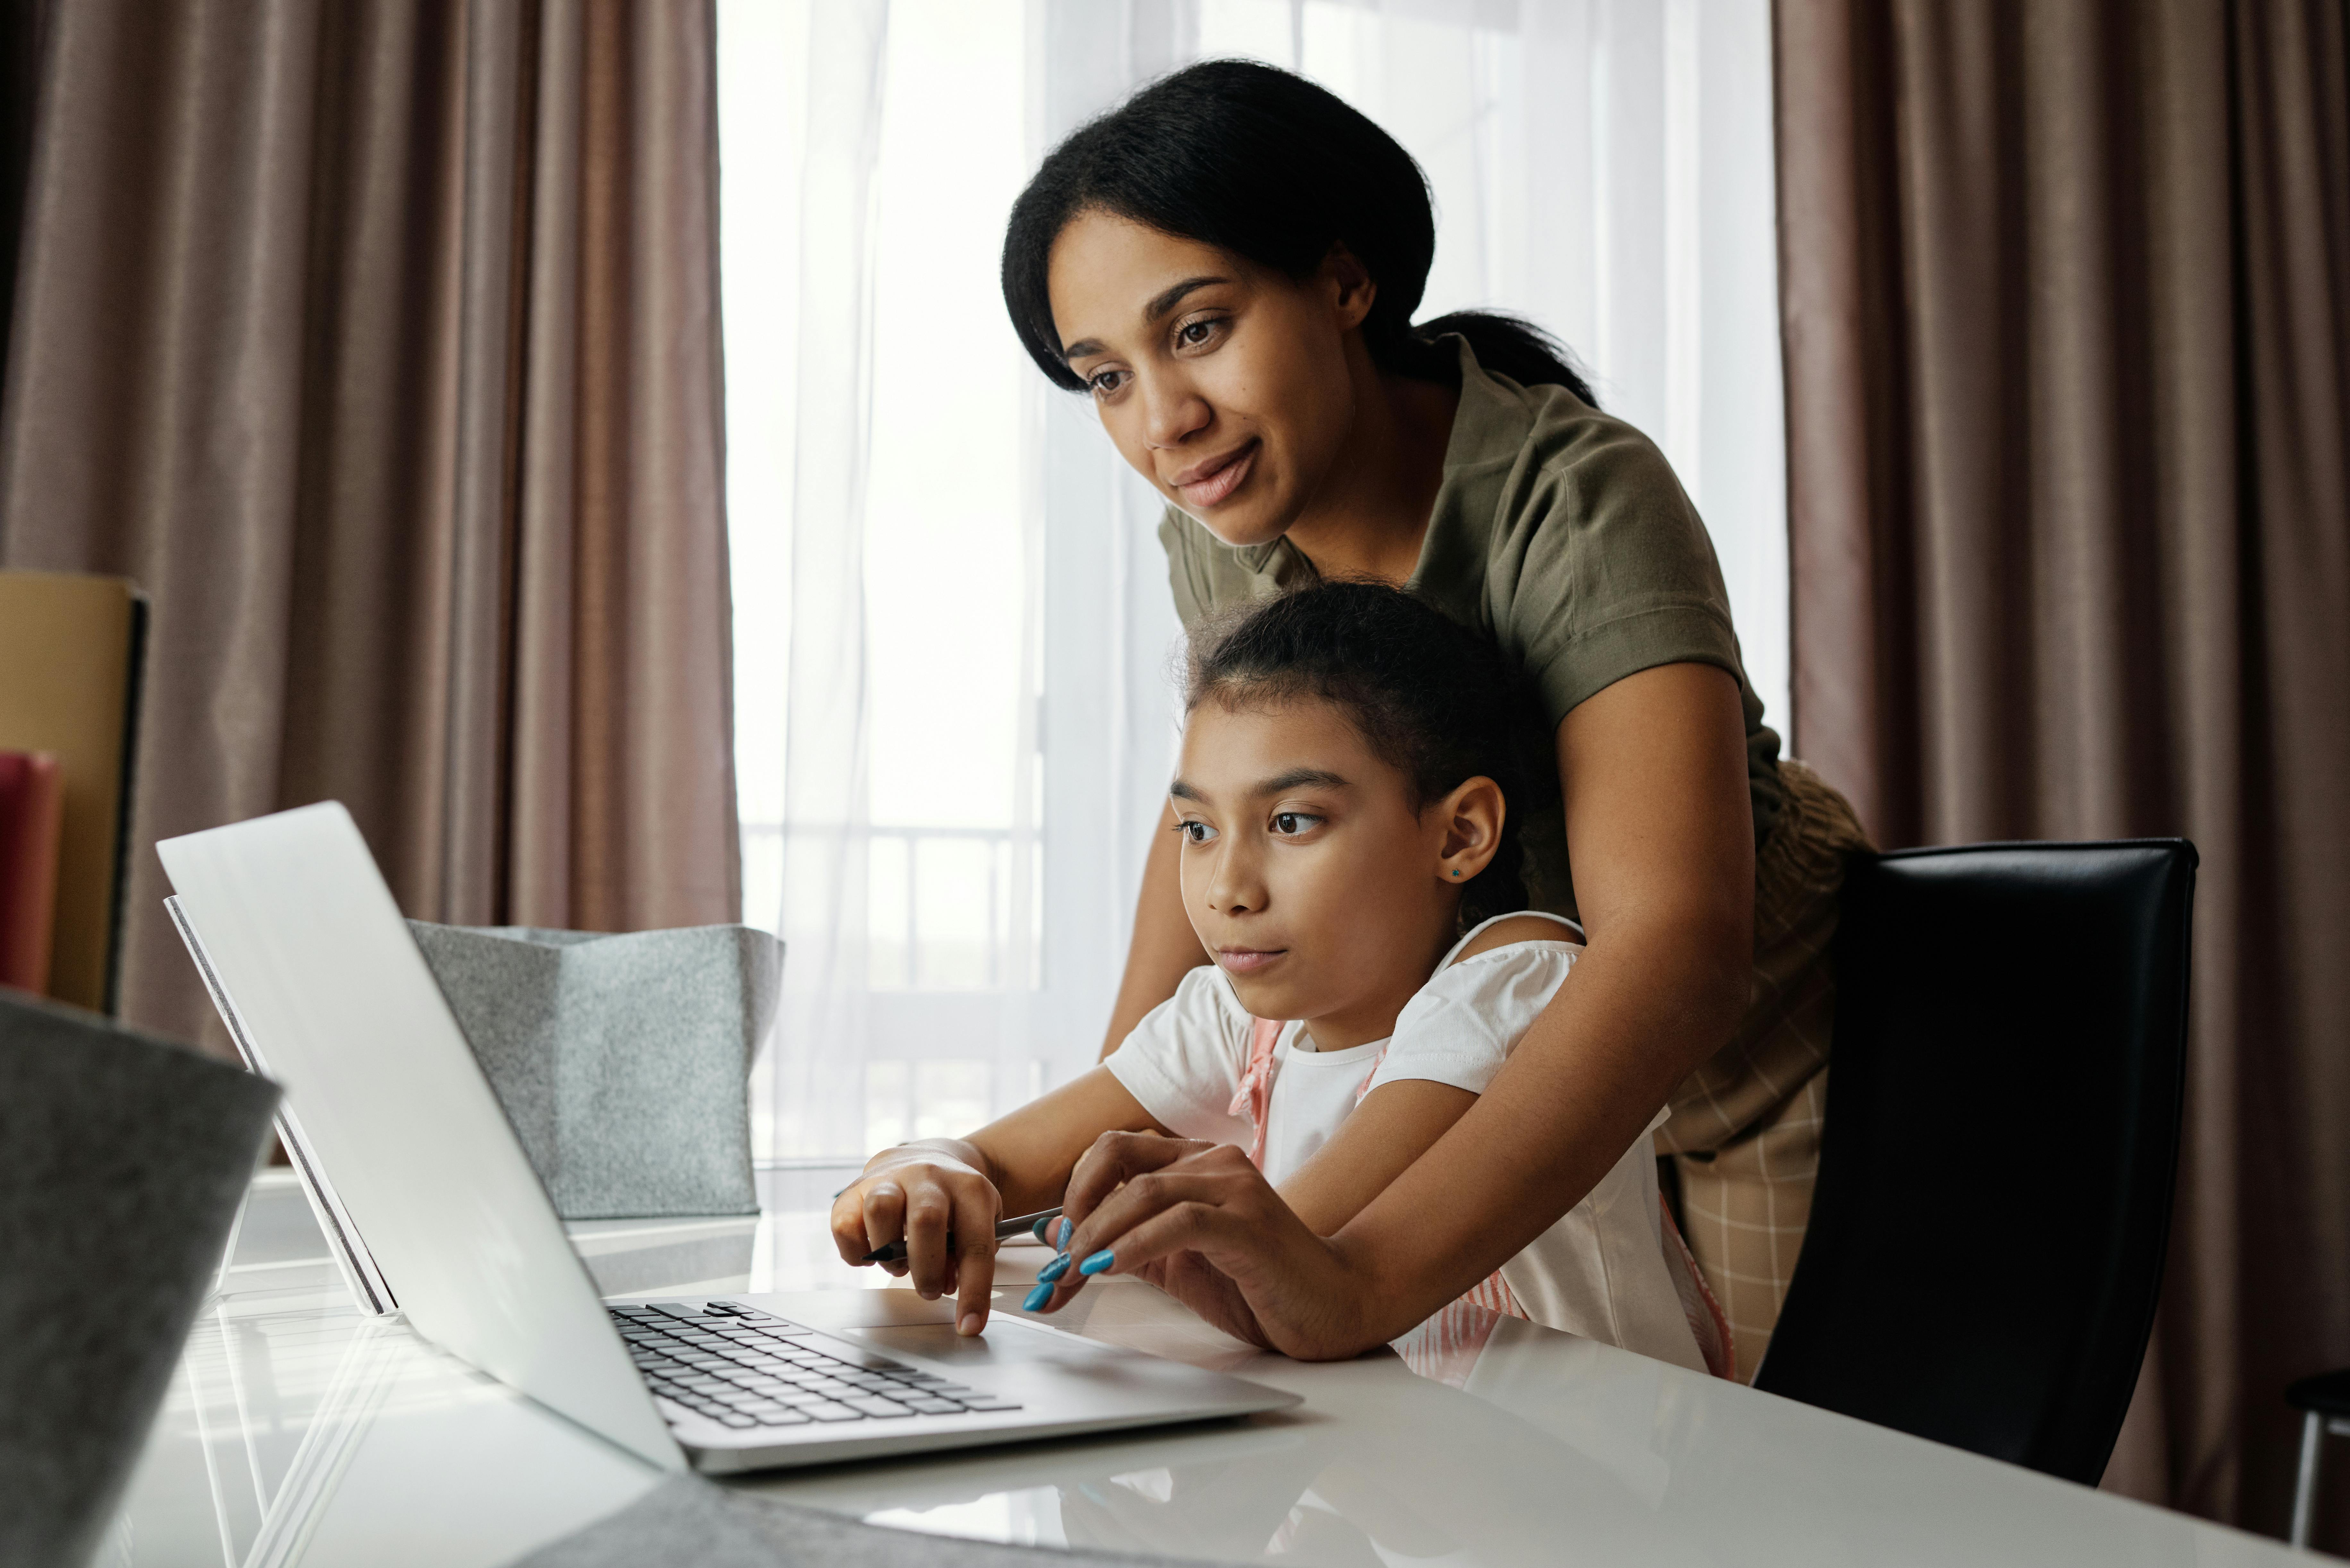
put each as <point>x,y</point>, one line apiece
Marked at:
<point>1211,489</point>
<point>1246,960</point>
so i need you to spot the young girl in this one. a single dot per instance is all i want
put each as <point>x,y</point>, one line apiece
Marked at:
<point>1349,859</point>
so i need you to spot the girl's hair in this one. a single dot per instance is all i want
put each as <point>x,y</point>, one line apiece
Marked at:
<point>1432,699</point>
<point>1266,165</point>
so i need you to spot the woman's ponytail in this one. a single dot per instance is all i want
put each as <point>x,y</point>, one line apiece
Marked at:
<point>1513,346</point>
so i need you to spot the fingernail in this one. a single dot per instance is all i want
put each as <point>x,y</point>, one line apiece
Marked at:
<point>970,1323</point>
<point>1039,1229</point>
<point>1053,1270</point>
<point>1067,1231</point>
<point>1037,1298</point>
<point>1098,1263</point>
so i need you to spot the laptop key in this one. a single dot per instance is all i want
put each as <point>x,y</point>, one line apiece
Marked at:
<point>832,1410</point>
<point>983,1403</point>
<point>785,1417</point>
<point>872,1405</point>
<point>934,1407</point>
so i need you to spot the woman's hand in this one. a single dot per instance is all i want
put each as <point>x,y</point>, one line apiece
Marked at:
<point>1203,1224</point>
<point>923,1194</point>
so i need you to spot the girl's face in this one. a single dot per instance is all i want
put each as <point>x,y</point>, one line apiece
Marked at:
<point>1225,384</point>
<point>1306,872</point>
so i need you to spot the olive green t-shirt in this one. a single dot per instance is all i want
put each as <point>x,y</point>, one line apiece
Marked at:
<point>1563,534</point>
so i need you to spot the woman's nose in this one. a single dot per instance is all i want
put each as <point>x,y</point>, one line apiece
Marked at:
<point>1172,412</point>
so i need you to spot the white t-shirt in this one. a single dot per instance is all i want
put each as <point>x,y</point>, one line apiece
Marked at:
<point>1600,1271</point>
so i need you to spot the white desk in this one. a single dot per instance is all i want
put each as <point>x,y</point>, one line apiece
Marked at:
<point>298,1433</point>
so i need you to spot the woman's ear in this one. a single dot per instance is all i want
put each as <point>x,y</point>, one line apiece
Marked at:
<point>1472,817</point>
<point>1353,288</point>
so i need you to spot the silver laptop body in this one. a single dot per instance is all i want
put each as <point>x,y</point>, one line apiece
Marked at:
<point>317,976</point>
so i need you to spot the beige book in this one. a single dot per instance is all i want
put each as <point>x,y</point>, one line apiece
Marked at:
<point>70,649</point>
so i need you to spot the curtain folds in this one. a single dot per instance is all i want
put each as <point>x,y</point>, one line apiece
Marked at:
<point>2066,291</point>
<point>379,343</point>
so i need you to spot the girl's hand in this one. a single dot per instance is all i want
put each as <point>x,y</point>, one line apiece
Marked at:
<point>921,1193</point>
<point>1203,1224</point>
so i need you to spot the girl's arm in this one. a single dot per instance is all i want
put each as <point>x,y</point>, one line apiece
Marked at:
<point>1165,948</point>
<point>1017,1165</point>
<point>1661,833</point>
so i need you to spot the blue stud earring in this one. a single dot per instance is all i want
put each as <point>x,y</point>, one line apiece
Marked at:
<point>1456,873</point>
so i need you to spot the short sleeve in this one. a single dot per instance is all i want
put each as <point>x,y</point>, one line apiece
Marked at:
<point>1603,567</point>
<point>1462,1024</point>
<point>1184,1060</point>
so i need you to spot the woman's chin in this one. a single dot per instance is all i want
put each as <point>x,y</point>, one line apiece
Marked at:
<point>1242,527</point>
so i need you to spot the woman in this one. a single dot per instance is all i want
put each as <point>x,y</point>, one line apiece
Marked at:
<point>1227,264</point>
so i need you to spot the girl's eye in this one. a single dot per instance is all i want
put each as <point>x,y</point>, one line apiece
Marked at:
<point>1195,832</point>
<point>1104,382</point>
<point>1192,333</point>
<point>1289,823</point>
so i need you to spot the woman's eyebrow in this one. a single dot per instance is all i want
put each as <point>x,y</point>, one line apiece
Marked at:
<point>1163,302</point>
<point>1168,299</point>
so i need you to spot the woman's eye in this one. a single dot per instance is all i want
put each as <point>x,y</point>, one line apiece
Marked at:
<point>1192,333</point>
<point>1104,382</point>
<point>1196,831</point>
<point>1289,823</point>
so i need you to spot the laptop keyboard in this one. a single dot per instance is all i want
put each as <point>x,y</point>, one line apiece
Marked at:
<point>744,1368</point>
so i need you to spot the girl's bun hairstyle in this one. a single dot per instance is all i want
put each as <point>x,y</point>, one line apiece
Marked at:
<point>1265,165</point>
<point>1432,699</point>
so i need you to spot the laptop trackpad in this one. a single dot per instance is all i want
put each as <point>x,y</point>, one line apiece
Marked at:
<point>858,1308</point>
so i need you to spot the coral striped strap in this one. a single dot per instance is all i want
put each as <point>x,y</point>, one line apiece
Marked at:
<point>1493,1294</point>
<point>1255,1095</point>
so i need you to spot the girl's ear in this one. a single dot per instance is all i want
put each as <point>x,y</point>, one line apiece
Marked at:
<point>1472,817</point>
<point>1353,287</point>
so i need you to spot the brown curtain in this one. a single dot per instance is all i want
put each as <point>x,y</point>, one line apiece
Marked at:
<point>2066,293</point>
<point>379,342</point>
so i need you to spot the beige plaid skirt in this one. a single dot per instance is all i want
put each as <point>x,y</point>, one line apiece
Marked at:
<point>1745,1134</point>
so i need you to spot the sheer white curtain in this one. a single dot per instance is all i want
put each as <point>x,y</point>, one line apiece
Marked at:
<point>955,631</point>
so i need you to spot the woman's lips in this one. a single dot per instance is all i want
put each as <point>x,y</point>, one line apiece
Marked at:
<point>1247,961</point>
<point>1202,489</point>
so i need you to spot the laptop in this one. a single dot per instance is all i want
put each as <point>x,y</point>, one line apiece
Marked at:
<point>317,975</point>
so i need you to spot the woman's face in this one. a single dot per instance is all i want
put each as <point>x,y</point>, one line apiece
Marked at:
<point>1307,871</point>
<point>1224,383</point>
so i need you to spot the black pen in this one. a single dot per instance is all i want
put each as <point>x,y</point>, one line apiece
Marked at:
<point>895,1253</point>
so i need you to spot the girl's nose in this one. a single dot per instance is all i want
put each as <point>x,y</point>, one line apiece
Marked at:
<point>1235,889</point>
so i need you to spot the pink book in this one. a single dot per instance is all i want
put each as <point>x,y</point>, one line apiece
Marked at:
<point>32,823</point>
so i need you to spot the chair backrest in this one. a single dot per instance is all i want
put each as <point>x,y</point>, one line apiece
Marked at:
<point>1986,1241</point>
<point>72,652</point>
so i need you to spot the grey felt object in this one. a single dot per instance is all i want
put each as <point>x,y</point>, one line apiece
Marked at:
<point>622,1060</point>
<point>122,1161</point>
<point>691,1520</point>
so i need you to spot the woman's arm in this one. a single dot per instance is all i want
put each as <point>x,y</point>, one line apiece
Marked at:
<point>1016,1164</point>
<point>1660,831</point>
<point>1165,948</point>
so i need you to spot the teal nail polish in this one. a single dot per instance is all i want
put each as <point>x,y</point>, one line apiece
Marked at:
<point>1098,1263</point>
<point>1053,1270</point>
<point>1067,1231</point>
<point>1039,1229</point>
<point>1037,1298</point>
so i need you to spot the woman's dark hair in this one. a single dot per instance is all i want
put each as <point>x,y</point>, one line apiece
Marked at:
<point>1266,165</point>
<point>1432,699</point>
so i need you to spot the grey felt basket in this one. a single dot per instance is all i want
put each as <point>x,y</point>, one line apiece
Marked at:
<point>622,1060</point>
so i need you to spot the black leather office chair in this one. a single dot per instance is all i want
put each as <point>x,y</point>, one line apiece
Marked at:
<point>1987,1239</point>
